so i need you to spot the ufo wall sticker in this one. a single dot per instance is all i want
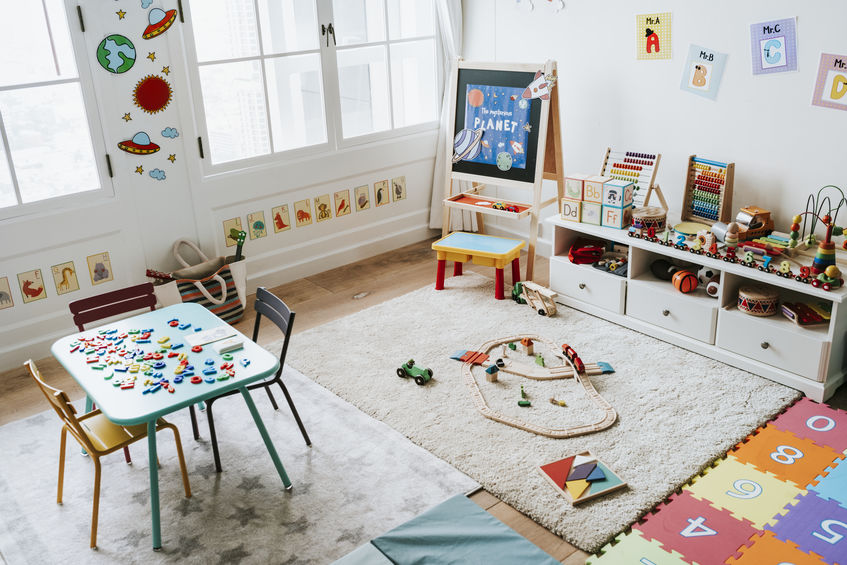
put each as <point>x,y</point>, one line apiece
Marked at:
<point>116,54</point>
<point>152,94</point>
<point>160,21</point>
<point>140,144</point>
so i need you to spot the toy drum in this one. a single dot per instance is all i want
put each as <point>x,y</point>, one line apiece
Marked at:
<point>758,300</point>
<point>649,217</point>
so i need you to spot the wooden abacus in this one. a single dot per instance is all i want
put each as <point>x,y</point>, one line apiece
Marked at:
<point>639,168</point>
<point>708,191</point>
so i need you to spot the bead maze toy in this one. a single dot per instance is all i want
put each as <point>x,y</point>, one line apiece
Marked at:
<point>779,496</point>
<point>580,478</point>
<point>638,168</point>
<point>571,367</point>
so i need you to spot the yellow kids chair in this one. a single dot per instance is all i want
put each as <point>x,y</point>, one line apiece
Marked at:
<point>98,436</point>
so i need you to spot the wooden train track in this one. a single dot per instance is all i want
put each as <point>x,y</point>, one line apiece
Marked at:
<point>564,371</point>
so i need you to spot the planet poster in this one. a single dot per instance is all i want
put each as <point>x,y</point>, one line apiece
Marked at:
<point>504,118</point>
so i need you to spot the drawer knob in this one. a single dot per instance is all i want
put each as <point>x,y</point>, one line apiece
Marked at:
<point>581,286</point>
<point>765,345</point>
<point>666,312</point>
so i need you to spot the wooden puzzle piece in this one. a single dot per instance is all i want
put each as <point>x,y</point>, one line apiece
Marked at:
<point>596,475</point>
<point>765,548</point>
<point>558,471</point>
<point>633,548</point>
<point>816,526</point>
<point>577,487</point>
<point>819,423</point>
<point>581,471</point>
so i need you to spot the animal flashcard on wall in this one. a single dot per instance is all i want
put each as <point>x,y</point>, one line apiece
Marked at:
<point>100,268</point>
<point>653,35</point>
<point>381,192</point>
<point>831,85</point>
<point>398,188</point>
<point>702,72</point>
<point>322,208</point>
<point>256,225</point>
<point>281,219</point>
<point>5,294</point>
<point>341,201</point>
<point>363,200</point>
<point>229,225</point>
<point>64,275</point>
<point>116,54</point>
<point>773,45</point>
<point>32,286</point>
<point>302,213</point>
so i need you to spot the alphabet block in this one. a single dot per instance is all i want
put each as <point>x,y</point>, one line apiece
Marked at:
<point>571,210</point>
<point>591,213</point>
<point>592,190</point>
<point>618,193</point>
<point>614,217</point>
<point>573,186</point>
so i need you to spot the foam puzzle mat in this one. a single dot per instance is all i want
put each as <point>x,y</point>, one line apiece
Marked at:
<point>777,498</point>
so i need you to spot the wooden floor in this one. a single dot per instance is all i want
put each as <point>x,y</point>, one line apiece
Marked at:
<point>319,299</point>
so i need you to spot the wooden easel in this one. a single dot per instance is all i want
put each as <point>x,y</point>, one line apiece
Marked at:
<point>548,159</point>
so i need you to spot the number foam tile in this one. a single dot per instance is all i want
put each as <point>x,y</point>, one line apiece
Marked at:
<point>771,450</point>
<point>832,483</point>
<point>696,530</point>
<point>729,484</point>
<point>766,549</point>
<point>817,422</point>
<point>633,548</point>
<point>817,526</point>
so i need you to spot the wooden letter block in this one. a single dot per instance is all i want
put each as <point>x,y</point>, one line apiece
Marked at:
<point>571,210</point>
<point>618,193</point>
<point>573,186</point>
<point>591,213</point>
<point>592,190</point>
<point>614,217</point>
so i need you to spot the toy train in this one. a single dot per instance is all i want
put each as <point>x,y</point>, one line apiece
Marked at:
<point>573,358</point>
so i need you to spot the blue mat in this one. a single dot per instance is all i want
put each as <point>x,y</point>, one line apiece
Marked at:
<point>456,531</point>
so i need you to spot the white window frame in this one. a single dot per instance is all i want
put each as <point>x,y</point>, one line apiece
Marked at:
<point>331,95</point>
<point>95,128</point>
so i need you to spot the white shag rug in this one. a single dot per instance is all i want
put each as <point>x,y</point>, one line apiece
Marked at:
<point>677,411</point>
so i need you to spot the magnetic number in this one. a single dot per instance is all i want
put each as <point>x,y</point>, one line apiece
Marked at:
<point>665,236</point>
<point>696,529</point>
<point>745,488</point>
<point>651,232</point>
<point>826,526</point>
<point>713,248</point>
<point>830,423</point>
<point>786,454</point>
<point>748,257</point>
<point>680,239</point>
<point>768,260</point>
<point>697,245</point>
<point>785,267</point>
<point>805,272</point>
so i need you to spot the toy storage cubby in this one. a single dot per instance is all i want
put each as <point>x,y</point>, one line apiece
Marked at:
<point>808,358</point>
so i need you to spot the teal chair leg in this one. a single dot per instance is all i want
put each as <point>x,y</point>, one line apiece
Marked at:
<point>268,443</point>
<point>154,485</point>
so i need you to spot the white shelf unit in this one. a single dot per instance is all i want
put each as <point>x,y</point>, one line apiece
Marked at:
<point>808,358</point>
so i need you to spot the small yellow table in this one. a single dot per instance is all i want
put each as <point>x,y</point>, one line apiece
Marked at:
<point>486,250</point>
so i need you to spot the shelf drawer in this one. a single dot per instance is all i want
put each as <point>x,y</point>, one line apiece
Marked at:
<point>659,304</point>
<point>775,341</point>
<point>585,283</point>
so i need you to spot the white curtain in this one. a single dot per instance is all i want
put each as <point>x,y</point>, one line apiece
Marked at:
<point>450,28</point>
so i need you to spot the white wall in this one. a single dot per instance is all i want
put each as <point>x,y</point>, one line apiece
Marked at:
<point>783,147</point>
<point>144,217</point>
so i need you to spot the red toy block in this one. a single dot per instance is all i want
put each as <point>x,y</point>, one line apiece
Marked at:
<point>699,532</point>
<point>816,422</point>
<point>787,456</point>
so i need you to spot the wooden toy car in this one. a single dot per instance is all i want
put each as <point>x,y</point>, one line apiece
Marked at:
<point>540,298</point>
<point>408,369</point>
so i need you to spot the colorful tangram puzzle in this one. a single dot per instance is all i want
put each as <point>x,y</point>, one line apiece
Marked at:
<point>779,497</point>
<point>581,477</point>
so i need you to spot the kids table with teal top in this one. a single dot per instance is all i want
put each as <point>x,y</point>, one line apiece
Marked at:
<point>486,250</point>
<point>143,405</point>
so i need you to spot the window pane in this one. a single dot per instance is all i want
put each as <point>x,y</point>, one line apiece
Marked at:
<point>50,141</point>
<point>236,117</point>
<point>27,47</point>
<point>296,101</point>
<point>225,29</point>
<point>363,85</point>
<point>413,82</point>
<point>289,25</point>
<point>358,21</point>
<point>7,191</point>
<point>410,18</point>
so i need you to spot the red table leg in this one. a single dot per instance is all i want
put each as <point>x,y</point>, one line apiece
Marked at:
<point>439,276</point>
<point>457,269</point>
<point>498,286</point>
<point>516,270</point>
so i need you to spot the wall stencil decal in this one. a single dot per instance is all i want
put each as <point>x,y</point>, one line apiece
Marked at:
<point>160,21</point>
<point>116,54</point>
<point>140,144</point>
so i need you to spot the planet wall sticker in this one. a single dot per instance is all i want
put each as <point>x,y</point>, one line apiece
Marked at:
<point>140,144</point>
<point>152,94</point>
<point>160,21</point>
<point>466,144</point>
<point>116,54</point>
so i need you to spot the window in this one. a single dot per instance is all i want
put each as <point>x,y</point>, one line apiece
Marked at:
<point>46,148</point>
<point>277,76</point>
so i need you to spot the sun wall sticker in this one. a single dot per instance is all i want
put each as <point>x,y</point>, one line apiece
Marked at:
<point>32,286</point>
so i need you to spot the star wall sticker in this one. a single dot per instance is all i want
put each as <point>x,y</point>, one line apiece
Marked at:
<point>126,117</point>
<point>151,55</point>
<point>120,14</point>
<point>172,157</point>
<point>166,70</point>
<point>139,169</point>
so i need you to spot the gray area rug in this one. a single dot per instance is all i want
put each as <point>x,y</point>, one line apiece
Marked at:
<point>677,410</point>
<point>360,479</point>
